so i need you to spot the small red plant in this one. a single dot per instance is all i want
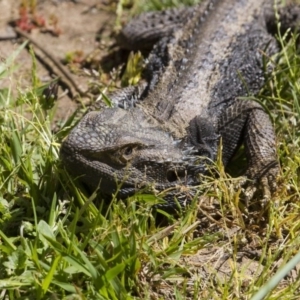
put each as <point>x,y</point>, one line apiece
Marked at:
<point>29,19</point>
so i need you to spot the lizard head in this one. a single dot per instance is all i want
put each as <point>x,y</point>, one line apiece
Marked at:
<point>119,150</point>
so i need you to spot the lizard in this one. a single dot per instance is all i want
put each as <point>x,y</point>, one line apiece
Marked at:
<point>206,63</point>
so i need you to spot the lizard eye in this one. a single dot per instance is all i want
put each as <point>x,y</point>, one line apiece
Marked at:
<point>128,151</point>
<point>126,154</point>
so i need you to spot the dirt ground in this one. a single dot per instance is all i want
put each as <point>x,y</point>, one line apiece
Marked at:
<point>69,30</point>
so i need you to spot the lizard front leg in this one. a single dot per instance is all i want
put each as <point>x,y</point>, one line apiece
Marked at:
<point>246,122</point>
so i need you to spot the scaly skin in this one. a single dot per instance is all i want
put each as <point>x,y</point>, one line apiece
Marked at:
<point>189,100</point>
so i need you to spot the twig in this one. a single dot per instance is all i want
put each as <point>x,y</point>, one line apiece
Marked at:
<point>162,234</point>
<point>8,37</point>
<point>60,71</point>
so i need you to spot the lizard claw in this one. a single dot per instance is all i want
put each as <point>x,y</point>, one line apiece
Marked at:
<point>266,185</point>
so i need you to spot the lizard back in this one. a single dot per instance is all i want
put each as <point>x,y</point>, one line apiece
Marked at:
<point>204,70</point>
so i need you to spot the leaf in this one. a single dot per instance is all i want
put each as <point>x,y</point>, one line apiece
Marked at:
<point>44,229</point>
<point>7,241</point>
<point>77,264</point>
<point>6,67</point>
<point>48,279</point>
<point>66,286</point>
<point>115,271</point>
<point>134,68</point>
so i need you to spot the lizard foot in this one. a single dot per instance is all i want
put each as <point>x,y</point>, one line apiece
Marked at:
<point>264,185</point>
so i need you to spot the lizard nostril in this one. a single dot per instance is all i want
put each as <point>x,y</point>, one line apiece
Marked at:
<point>174,175</point>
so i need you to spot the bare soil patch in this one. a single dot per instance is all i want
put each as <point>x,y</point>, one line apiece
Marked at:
<point>72,31</point>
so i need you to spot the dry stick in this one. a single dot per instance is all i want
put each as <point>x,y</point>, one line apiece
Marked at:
<point>163,233</point>
<point>8,37</point>
<point>62,72</point>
